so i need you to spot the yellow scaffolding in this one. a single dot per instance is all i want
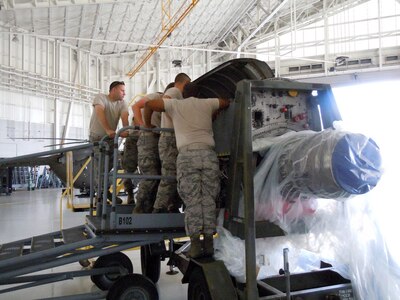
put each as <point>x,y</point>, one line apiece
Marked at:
<point>167,28</point>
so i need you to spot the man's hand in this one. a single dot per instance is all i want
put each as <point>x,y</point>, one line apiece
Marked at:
<point>110,133</point>
<point>223,104</point>
<point>124,134</point>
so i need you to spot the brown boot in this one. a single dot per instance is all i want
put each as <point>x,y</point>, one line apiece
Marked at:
<point>131,198</point>
<point>138,209</point>
<point>208,245</point>
<point>117,199</point>
<point>128,187</point>
<point>195,246</point>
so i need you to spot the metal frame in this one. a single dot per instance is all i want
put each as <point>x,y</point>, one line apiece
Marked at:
<point>102,234</point>
<point>241,185</point>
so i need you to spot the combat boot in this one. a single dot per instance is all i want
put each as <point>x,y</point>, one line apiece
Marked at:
<point>195,246</point>
<point>208,245</point>
<point>131,197</point>
<point>117,199</point>
<point>138,209</point>
<point>128,187</point>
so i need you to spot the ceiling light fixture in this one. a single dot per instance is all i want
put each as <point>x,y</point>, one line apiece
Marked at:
<point>341,60</point>
<point>15,38</point>
<point>177,63</point>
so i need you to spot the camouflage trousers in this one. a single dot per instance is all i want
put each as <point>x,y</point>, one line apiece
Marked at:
<point>130,158</point>
<point>167,194</point>
<point>149,164</point>
<point>198,186</point>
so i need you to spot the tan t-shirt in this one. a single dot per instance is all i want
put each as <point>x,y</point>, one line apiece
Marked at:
<point>192,119</point>
<point>156,116</point>
<point>112,111</point>
<point>173,93</point>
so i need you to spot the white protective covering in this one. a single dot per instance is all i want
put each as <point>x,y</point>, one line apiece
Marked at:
<point>342,233</point>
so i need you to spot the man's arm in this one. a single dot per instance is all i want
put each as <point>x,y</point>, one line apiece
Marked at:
<point>125,122</point>
<point>223,104</point>
<point>101,116</point>
<point>137,114</point>
<point>149,107</point>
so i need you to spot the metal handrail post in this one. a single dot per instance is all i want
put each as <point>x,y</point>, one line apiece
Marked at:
<point>105,182</point>
<point>113,214</point>
<point>91,180</point>
<point>248,184</point>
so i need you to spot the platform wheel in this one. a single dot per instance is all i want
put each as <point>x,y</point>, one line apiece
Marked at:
<point>198,288</point>
<point>118,259</point>
<point>151,264</point>
<point>85,263</point>
<point>133,286</point>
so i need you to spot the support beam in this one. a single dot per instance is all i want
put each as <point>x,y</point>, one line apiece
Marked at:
<point>266,20</point>
<point>66,124</point>
<point>13,5</point>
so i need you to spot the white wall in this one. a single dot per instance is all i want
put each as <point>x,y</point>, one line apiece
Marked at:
<point>41,79</point>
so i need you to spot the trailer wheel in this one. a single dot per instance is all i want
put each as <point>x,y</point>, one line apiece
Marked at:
<point>151,264</point>
<point>198,288</point>
<point>84,263</point>
<point>105,281</point>
<point>133,286</point>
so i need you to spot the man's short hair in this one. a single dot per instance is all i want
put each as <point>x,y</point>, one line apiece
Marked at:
<point>191,90</point>
<point>116,83</point>
<point>170,85</point>
<point>182,77</point>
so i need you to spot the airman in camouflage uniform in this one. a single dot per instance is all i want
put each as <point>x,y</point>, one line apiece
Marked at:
<point>130,163</point>
<point>148,157</point>
<point>149,164</point>
<point>198,178</point>
<point>167,199</point>
<point>197,163</point>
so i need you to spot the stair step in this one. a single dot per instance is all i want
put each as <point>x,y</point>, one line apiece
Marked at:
<point>11,250</point>
<point>73,235</point>
<point>43,242</point>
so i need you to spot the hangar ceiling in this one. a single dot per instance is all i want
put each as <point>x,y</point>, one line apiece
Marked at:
<point>112,27</point>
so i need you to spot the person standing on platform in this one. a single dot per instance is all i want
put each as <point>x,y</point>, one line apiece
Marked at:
<point>197,162</point>
<point>107,111</point>
<point>148,157</point>
<point>167,199</point>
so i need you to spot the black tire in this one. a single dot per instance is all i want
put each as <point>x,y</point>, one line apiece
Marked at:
<point>105,281</point>
<point>151,264</point>
<point>198,288</point>
<point>133,286</point>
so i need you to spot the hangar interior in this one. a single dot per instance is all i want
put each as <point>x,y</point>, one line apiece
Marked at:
<point>56,55</point>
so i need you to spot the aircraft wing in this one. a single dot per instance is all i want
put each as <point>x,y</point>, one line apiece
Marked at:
<point>56,159</point>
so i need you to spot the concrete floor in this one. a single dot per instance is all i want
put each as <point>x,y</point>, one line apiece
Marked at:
<point>24,214</point>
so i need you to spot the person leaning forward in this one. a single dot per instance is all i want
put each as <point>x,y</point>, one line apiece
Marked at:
<point>167,199</point>
<point>108,109</point>
<point>197,162</point>
<point>148,157</point>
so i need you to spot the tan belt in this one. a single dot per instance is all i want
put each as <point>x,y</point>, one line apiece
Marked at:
<point>196,146</point>
<point>167,133</point>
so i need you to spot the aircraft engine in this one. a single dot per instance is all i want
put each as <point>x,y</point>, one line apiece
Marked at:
<point>299,167</point>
